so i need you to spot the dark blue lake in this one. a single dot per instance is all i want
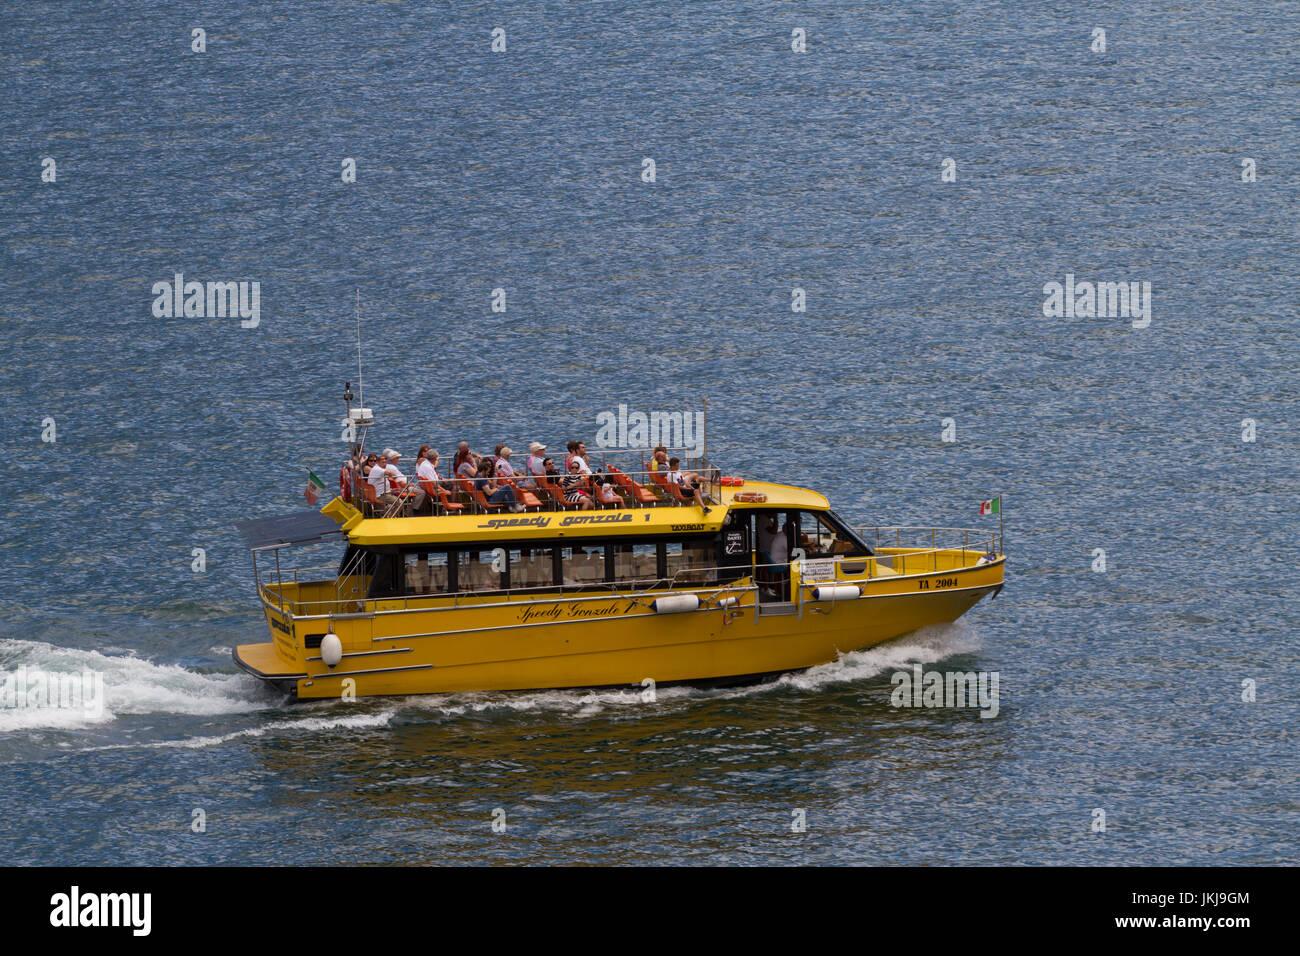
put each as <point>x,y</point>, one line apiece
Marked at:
<point>1169,158</point>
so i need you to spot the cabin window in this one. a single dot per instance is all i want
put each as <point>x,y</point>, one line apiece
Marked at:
<point>474,570</point>
<point>820,537</point>
<point>636,565</point>
<point>582,565</point>
<point>426,572</point>
<point>845,533</point>
<point>690,562</point>
<point>386,581</point>
<point>531,568</point>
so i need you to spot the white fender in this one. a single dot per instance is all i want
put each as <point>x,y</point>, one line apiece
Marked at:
<point>331,649</point>
<point>836,592</point>
<point>676,603</point>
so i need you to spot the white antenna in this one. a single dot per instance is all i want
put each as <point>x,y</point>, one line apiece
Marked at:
<point>704,417</point>
<point>361,392</point>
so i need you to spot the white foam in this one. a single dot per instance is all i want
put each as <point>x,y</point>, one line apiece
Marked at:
<point>925,646</point>
<point>136,686</point>
<point>309,724</point>
<point>131,686</point>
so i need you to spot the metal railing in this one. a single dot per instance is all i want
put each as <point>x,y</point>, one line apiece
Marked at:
<point>979,540</point>
<point>522,480</point>
<point>895,560</point>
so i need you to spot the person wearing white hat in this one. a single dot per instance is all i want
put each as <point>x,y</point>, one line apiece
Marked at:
<point>398,483</point>
<point>534,465</point>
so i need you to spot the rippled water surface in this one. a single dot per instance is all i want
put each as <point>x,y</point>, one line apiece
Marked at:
<point>521,170</point>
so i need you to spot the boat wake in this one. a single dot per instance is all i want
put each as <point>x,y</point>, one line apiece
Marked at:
<point>274,728</point>
<point>926,646</point>
<point>132,686</point>
<point>109,686</point>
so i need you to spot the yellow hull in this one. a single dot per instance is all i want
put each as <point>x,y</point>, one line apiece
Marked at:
<point>553,640</point>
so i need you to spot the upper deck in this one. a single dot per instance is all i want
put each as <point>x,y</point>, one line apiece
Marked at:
<point>663,517</point>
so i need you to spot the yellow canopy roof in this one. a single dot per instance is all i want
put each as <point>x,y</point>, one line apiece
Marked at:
<point>447,529</point>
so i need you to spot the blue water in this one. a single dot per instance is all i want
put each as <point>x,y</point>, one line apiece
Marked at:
<point>1120,690</point>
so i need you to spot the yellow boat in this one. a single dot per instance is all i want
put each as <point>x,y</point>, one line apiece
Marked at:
<point>655,592</point>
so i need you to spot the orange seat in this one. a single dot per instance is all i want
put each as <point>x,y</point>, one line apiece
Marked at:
<point>673,490</point>
<point>376,506</point>
<point>639,493</point>
<point>477,496</point>
<point>553,492</point>
<point>437,492</point>
<point>522,495</point>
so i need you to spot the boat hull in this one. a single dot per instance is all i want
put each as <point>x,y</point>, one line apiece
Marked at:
<point>561,641</point>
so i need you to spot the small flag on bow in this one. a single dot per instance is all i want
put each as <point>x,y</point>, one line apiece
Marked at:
<point>313,483</point>
<point>991,507</point>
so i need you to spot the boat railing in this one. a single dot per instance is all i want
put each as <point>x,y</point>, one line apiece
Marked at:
<point>891,560</point>
<point>607,466</point>
<point>642,589</point>
<point>980,540</point>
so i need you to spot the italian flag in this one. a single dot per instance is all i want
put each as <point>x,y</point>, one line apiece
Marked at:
<point>312,484</point>
<point>991,507</point>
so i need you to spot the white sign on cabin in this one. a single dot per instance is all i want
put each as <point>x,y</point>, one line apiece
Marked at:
<point>817,569</point>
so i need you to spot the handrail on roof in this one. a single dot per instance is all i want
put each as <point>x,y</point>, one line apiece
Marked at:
<point>645,480</point>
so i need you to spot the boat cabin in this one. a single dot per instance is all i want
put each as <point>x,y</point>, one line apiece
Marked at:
<point>632,551</point>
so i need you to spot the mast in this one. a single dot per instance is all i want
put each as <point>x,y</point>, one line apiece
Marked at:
<point>354,446</point>
<point>361,388</point>
<point>704,420</point>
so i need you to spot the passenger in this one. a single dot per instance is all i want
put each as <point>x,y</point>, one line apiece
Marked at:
<point>578,453</point>
<point>781,552</point>
<point>768,529</point>
<point>606,493</point>
<point>689,482</point>
<point>378,476</point>
<point>463,455</point>
<point>400,485</point>
<point>501,464</point>
<point>551,472</point>
<point>574,485</point>
<point>774,546</point>
<point>534,465</point>
<point>426,465</point>
<point>467,467</point>
<point>427,470</point>
<point>421,460</point>
<point>496,494</point>
<point>348,478</point>
<point>659,459</point>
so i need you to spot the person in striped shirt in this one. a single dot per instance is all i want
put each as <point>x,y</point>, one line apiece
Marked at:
<point>574,486</point>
